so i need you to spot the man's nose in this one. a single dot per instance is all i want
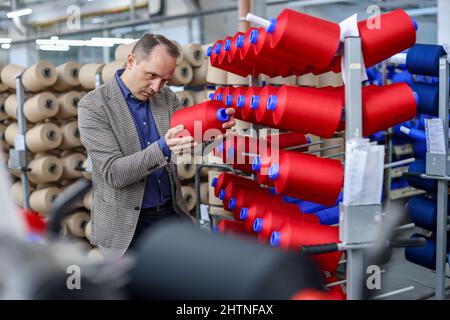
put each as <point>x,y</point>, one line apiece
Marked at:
<point>156,85</point>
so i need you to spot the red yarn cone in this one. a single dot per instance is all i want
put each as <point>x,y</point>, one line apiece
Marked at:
<point>225,178</point>
<point>263,115</point>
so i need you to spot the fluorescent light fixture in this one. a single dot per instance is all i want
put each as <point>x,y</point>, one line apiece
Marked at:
<point>6,45</point>
<point>47,47</point>
<point>5,40</point>
<point>113,40</point>
<point>19,13</point>
<point>94,42</point>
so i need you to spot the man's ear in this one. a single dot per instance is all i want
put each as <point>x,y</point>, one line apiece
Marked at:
<point>131,60</point>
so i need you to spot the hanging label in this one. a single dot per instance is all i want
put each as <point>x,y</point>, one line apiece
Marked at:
<point>19,142</point>
<point>434,130</point>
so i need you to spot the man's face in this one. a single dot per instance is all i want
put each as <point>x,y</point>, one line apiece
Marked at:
<point>147,76</point>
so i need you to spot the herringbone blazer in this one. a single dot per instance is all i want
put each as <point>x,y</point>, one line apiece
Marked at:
<point>120,166</point>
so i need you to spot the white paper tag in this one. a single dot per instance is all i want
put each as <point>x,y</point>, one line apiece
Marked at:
<point>434,130</point>
<point>204,212</point>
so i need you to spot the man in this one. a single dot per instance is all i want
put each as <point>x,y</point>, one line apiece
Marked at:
<point>124,125</point>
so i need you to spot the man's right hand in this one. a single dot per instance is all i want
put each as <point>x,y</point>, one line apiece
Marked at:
<point>176,144</point>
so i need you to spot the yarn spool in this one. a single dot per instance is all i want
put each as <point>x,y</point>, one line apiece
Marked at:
<point>207,117</point>
<point>216,75</point>
<point>86,174</point>
<point>70,135</point>
<point>273,219</point>
<point>294,235</point>
<point>109,70</point>
<point>123,50</point>
<point>39,76</point>
<point>11,106</point>
<point>76,223</point>
<point>68,104</point>
<point>199,74</point>
<point>220,59</point>
<point>87,200</point>
<point>319,109</point>
<point>3,114</point>
<point>308,177</point>
<point>183,74</point>
<point>17,194</point>
<point>193,54</point>
<point>314,40</point>
<point>261,166</point>
<point>40,107</point>
<point>233,56</point>
<point>224,178</point>
<point>259,103</point>
<point>231,100</point>
<point>11,132</point>
<point>235,80</point>
<point>308,80</point>
<point>186,171</point>
<point>386,106</point>
<point>232,190</point>
<point>45,169</point>
<point>180,57</point>
<point>235,149</point>
<point>199,96</point>
<point>186,98</point>
<point>395,34</point>
<point>247,198</point>
<point>428,98</point>
<point>70,164</point>
<point>212,180</point>
<point>43,137</point>
<point>87,230</point>
<point>9,73</point>
<point>255,209</point>
<point>204,192</point>
<point>88,73</point>
<point>422,211</point>
<point>42,200</point>
<point>230,227</point>
<point>424,256</point>
<point>189,197</point>
<point>423,59</point>
<point>67,74</point>
<point>419,167</point>
<point>329,216</point>
<point>248,104</point>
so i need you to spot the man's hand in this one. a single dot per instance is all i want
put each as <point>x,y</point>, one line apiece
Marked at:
<point>230,123</point>
<point>177,144</point>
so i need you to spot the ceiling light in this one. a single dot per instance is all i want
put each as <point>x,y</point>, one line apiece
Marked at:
<point>19,13</point>
<point>47,47</point>
<point>5,40</point>
<point>6,45</point>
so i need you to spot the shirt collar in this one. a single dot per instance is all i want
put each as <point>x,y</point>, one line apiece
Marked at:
<point>125,91</point>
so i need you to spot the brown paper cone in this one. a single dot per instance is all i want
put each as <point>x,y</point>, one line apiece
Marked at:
<point>40,107</point>
<point>11,106</point>
<point>44,170</point>
<point>67,76</point>
<point>200,96</point>
<point>180,50</point>
<point>3,114</point>
<point>76,223</point>
<point>123,51</point>
<point>215,75</point>
<point>43,137</point>
<point>183,74</point>
<point>87,230</point>
<point>308,80</point>
<point>234,79</point>
<point>204,192</point>
<point>16,193</point>
<point>200,73</point>
<point>330,79</point>
<point>292,81</point>
<point>87,200</point>
<point>333,142</point>
<point>39,76</point>
<point>87,75</point>
<point>42,200</point>
<point>9,73</point>
<point>70,135</point>
<point>11,132</point>
<point>219,211</point>
<point>110,69</point>
<point>189,197</point>
<point>70,163</point>
<point>186,171</point>
<point>193,53</point>
<point>186,98</point>
<point>68,104</point>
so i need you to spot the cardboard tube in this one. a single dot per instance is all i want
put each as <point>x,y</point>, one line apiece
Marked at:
<point>67,76</point>
<point>87,74</point>
<point>234,79</point>
<point>17,194</point>
<point>68,104</point>
<point>70,163</point>
<point>186,171</point>
<point>333,142</point>
<point>42,200</point>
<point>11,132</point>
<point>183,74</point>
<point>200,73</point>
<point>123,50</point>
<point>199,96</point>
<point>87,175</point>
<point>40,107</point>
<point>204,192</point>
<point>219,211</point>
<point>330,79</point>
<point>11,106</point>
<point>45,169</point>
<point>70,135</point>
<point>180,58</point>
<point>76,223</point>
<point>9,73</point>
<point>186,98</point>
<point>308,80</point>
<point>3,114</point>
<point>215,75</point>
<point>39,76</point>
<point>87,200</point>
<point>87,230</point>
<point>43,137</point>
<point>292,81</point>
<point>193,53</point>
<point>110,69</point>
<point>189,197</point>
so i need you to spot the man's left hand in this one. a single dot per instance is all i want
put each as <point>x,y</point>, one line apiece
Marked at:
<point>230,123</point>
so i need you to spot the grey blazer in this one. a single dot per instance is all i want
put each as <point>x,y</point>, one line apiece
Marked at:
<point>120,166</point>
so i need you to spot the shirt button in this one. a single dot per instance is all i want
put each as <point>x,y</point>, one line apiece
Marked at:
<point>137,208</point>
<point>159,181</point>
<point>148,143</point>
<point>144,123</point>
